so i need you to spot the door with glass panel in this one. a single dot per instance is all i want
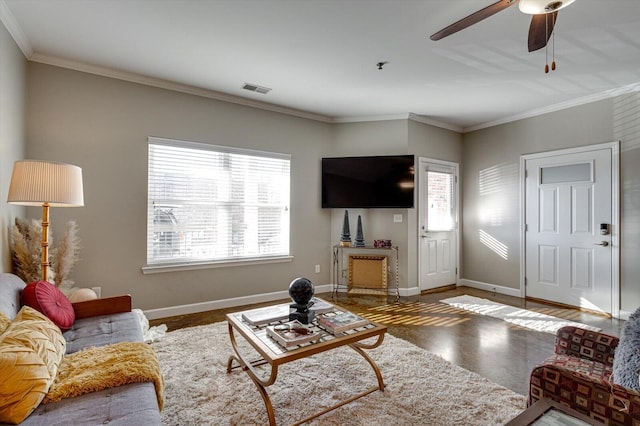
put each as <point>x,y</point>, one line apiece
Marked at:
<point>438,223</point>
<point>569,229</point>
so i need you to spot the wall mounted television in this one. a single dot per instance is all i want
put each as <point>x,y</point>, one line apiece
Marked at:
<point>368,182</point>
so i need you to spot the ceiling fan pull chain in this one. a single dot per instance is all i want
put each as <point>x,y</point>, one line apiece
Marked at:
<point>553,46</point>
<point>546,46</point>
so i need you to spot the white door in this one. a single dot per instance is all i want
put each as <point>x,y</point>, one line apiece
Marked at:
<point>568,234</point>
<point>438,223</point>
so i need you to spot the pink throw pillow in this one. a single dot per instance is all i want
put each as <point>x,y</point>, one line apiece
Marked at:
<point>48,299</point>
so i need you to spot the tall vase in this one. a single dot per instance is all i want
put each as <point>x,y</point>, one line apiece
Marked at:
<point>345,237</point>
<point>359,235</point>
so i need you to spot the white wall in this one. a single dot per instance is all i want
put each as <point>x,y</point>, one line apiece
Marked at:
<point>490,184</point>
<point>13,97</point>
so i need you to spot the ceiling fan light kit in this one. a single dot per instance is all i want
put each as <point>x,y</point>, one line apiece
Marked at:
<point>538,7</point>
<point>545,13</point>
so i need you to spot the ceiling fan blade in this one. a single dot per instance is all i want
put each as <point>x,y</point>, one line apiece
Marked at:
<point>474,18</point>
<point>541,29</point>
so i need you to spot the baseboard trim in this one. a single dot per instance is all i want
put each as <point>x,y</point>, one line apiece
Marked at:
<point>411,291</point>
<point>211,305</point>
<point>490,287</point>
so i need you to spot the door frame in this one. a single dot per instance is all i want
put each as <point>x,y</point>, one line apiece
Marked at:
<point>423,161</point>
<point>615,214</point>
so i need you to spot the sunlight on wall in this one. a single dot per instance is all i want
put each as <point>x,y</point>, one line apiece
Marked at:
<point>496,246</point>
<point>497,206</point>
<point>626,129</point>
<point>497,190</point>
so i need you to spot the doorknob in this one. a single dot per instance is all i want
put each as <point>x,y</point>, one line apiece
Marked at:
<point>604,244</point>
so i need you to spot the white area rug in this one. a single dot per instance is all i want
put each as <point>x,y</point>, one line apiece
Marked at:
<point>518,316</point>
<point>422,388</point>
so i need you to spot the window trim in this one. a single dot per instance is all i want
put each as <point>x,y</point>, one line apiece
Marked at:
<point>193,266</point>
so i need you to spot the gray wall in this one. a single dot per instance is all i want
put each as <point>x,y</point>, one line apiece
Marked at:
<point>102,124</point>
<point>434,143</point>
<point>13,96</point>
<point>490,184</point>
<point>387,138</point>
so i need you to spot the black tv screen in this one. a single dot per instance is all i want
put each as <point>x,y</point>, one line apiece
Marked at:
<point>368,182</point>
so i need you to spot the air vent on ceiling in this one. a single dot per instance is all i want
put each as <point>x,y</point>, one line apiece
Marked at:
<point>256,88</point>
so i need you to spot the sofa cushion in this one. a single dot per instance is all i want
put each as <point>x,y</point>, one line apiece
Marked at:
<point>30,351</point>
<point>48,299</point>
<point>626,363</point>
<point>103,330</point>
<point>133,404</point>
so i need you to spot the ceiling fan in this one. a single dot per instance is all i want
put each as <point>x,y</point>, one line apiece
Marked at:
<point>543,20</point>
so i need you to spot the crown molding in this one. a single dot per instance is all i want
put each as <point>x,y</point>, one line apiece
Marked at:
<point>165,84</point>
<point>403,116</point>
<point>24,45</point>
<point>211,94</point>
<point>15,30</point>
<point>631,88</point>
<point>362,118</point>
<point>426,120</point>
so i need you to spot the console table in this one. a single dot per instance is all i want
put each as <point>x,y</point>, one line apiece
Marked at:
<point>340,279</point>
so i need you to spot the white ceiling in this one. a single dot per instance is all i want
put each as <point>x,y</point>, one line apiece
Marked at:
<point>319,56</point>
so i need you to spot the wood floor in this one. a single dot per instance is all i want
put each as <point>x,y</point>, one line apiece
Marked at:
<point>491,347</point>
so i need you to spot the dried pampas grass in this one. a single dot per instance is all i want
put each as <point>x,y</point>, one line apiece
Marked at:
<point>64,256</point>
<point>26,249</point>
<point>26,252</point>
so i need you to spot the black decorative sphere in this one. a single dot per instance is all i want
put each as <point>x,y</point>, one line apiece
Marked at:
<point>301,291</point>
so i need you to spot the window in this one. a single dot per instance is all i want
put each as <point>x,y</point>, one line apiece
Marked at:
<point>210,203</point>
<point>440,201</point>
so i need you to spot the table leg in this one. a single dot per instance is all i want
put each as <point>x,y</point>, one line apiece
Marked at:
<point>358,347</point>
<point>260,383</point>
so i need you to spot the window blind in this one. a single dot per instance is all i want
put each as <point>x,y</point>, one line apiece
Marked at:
<point>215,203</point>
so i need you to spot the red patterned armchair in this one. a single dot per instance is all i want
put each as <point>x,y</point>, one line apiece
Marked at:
<point>579,376</point>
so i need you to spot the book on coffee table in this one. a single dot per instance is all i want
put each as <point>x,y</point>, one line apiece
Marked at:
<point>292,333</point>
<point>262,316</point>
<point>320,306</point>
<point>341,321</point>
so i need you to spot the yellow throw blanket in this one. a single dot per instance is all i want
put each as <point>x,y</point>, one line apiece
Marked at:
<point>99,368</point>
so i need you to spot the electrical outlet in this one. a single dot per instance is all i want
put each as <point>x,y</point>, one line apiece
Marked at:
<point>317,269</point>
<point>397,218</point>
<point>98,291</point>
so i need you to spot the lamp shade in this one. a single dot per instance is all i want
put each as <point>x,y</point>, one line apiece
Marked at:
<point>539,7</point>
<point>35,182</point>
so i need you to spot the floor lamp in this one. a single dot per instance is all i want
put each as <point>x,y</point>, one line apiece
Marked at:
<point>46,184</point>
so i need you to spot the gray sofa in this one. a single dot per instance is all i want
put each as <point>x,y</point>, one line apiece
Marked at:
<point>98,322</point>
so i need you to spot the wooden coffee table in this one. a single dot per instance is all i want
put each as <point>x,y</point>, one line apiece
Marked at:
<point>275,355</point>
